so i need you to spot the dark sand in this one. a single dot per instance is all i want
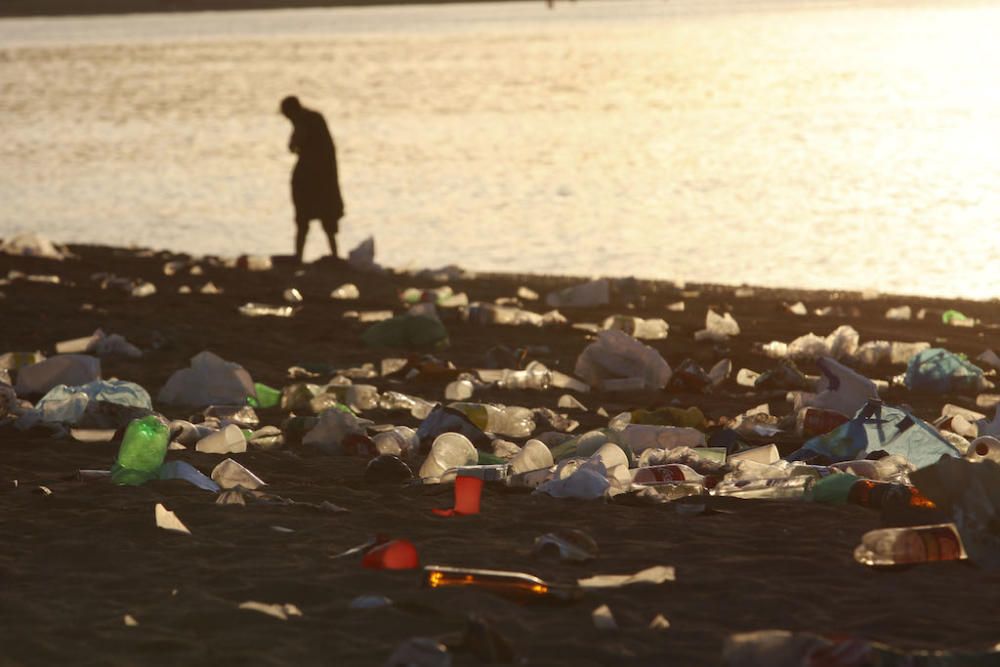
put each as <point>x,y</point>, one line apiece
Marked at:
<point>74,563</point>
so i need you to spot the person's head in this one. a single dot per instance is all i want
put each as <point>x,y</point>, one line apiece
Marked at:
<point>290,106</point>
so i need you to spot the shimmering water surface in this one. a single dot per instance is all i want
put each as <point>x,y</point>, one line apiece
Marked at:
<point>813,144</point>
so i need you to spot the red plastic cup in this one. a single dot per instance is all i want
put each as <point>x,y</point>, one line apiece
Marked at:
<point>468,494</point>
<point>393,555</point>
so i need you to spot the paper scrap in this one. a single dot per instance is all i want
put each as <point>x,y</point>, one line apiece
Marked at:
<point>167,520</point>
<point>130,621</point>
<point>279,611</point>
<point>603,618</point>
<point>229,474</point>
<point>92,434</point>
<point>659,622</point>
<point>652,575</point>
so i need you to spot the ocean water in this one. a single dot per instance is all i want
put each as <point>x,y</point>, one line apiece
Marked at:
<point>846,144</point>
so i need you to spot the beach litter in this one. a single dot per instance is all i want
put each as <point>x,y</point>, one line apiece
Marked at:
<point>502,422</point>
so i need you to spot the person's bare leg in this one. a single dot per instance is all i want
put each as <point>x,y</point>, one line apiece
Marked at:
<point>330,227</point>
<point>301,229</point>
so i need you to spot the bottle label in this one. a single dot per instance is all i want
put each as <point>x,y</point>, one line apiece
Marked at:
<point>931,543</point>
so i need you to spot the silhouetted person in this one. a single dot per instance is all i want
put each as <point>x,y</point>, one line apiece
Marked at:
<point>315,188</point>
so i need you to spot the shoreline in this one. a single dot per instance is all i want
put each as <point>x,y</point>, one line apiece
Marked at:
<point>52,8</point>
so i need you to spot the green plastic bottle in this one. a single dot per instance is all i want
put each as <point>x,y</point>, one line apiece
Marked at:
<point>142,452</point>
<point>267,397</point>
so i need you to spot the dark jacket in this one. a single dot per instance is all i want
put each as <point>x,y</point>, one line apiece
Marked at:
<point>315,187</point>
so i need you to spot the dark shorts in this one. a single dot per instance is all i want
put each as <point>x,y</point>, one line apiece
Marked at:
<point>331,224</point>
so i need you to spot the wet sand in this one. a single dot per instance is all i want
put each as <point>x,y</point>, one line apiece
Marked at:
<point>75,562</point>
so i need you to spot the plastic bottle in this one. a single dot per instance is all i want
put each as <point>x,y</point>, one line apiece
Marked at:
<point>817,421</point>
<point>252,309</point>
<point>394,400</point>
<point>783,488</point>
<point>142,451</point>
<point>652,329</point>
<point>869,493</point>
<point>296,397</point>
<point>267,397</point>
<point>487,313</point>
<point>517,585</point>
<point>645,436</point>
<point>459,390</point>
<point>905,546</point>
<point>535,376</point>
<point>401,441</point>
<point>510,420</point>
<point>671,472</point>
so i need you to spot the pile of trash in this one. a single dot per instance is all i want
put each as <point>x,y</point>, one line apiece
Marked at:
<point>834,440</point>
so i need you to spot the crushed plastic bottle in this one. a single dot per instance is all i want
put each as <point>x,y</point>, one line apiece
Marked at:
<point>142,452</point>
<point>651,329</point>
<point>512,421</point>
<point>394,400</point>
<point>887,547</point>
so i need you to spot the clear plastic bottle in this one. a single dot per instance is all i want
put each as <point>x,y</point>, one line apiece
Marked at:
<point>142,451</point>
<point>487,313</point>
<point>459,390</point>
<point>252,309</point>
<point>906,546</point>
<point>670,472</point>
<point>535,376</point>
<point>512,421</point>
<point>790,488</point>
<point>394,400</point>
<point>652,329</point>
<point>401,441</point>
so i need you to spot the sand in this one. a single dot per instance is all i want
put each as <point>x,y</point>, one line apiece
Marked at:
<point>75,562</point>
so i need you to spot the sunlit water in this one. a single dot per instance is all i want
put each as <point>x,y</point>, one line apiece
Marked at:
<point>826,145</point>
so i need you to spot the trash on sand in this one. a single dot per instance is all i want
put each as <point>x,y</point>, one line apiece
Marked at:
<point>766,648</point>
<point>229,474</point>
<point>253,309</point>
<point>142,451</point>
<point>280,611</point>
<point>970,493</point>
<point>30,244</point>
<point>659,622</point>
<point>387,469</point>
<point>419,652</point>
<point>391,555</point>
<point>346,292</point>
<point>651,575</point>
<point>187,472</point>
<point>370,602</point>
<point>449,450</point>
<point>228,440</point>
<point>879,427</point>
<point>210,380</point>
<point>468,493</point>
<point>69,369</point>
<point>517,585</point>
<point>939,371</point>
<point>718,328</point>
<point>568,544</point>
<point>603,618</point>
<point>616,355</point>
<point>586,295</point>
<point>408,332</point>
<point>167,520</point>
